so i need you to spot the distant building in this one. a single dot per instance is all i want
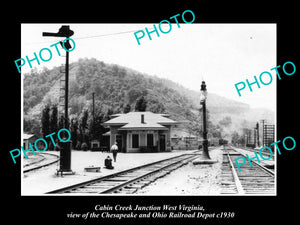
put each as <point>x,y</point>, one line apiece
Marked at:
<point>95,145</point>
<point>141,131</point>
<point>28,138</point>
<point>183,140</point>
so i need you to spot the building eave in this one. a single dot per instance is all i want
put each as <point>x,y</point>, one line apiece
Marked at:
<point>142,128</point>
<point>113,124</point>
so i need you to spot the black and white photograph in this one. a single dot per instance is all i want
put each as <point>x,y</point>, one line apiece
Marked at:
<point>149,113</point>
<point>183,113</point>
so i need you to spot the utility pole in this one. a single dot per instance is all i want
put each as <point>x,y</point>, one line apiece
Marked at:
<point>254,134</point>
<point>93,115</point>
<point>263,132</point>
<point>257,128</point>
<point>65,150</point>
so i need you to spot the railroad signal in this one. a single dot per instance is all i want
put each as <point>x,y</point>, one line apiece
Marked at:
<point>203,93</point>
<point>66,45</point>
<point>205,155</point>
<point>64,31</point>
<point>65,150</point>
<point>203,102</point>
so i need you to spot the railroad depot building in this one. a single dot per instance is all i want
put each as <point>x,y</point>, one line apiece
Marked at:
<point>141,131</point>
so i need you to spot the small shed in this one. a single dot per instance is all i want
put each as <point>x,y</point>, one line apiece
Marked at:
<point>28,138</point>
<point>95,145</point>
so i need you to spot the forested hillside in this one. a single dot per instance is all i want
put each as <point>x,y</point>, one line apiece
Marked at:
<point>114,87</point>
<point>117,89</point>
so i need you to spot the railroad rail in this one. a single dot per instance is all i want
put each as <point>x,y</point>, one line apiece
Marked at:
<point>270,164</point>
<point>255,180</point>
<point>128,181</point>
<point>266,154</point>
<point>44,159</point>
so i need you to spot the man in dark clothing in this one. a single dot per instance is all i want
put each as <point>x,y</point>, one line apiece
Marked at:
<point>108,163</point>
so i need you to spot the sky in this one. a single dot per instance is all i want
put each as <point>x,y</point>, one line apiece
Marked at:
<point>220,54</point>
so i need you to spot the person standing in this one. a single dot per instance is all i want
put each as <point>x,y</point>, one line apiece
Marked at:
<point>114,149</point>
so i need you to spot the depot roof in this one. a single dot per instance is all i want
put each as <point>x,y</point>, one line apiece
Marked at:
<point>27,136</point>
<point>140,120</point>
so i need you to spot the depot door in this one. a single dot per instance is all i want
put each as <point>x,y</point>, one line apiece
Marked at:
<point>119,142</point>
<point>162,142</point>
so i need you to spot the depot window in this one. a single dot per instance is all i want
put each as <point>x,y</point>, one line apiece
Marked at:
<point>149,139</point>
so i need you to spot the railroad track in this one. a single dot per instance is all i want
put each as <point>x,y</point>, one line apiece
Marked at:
<point>270,164</point>
<point>128,181</point>
<point>45,159</point>
<point>266,154</point>
<point>255,180</point>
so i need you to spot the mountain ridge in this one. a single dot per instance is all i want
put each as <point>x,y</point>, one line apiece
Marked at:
<point>116,86</point>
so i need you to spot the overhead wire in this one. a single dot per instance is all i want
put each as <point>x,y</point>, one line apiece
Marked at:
<point>103,35</point>
<point>92,36</point>
<point>86,37</point>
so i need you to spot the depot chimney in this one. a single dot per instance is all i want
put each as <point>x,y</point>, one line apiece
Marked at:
<point>142,118</point>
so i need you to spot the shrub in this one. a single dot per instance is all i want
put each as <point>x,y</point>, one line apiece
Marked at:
<point>84,146</point>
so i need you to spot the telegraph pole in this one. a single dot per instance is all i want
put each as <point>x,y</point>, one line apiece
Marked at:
<point>254,134</point>
<point>257,128</point>
<point>263,132</point>
<point>93,115</point>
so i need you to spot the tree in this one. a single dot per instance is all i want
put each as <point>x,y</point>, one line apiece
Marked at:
<point>53,123</point>
<point>96,129</point>
<point>216,131</point>
<point>141,105</point>
<point>154,105</point>
<point>45,121</point>
<point>127,108</point>
<point>61,122</point>
<point>54,119</point>
<point>226,121</point>
<point>74,129</point>
<point>235,138</point>
<point>195,126</point>
<point>134,93</point>
<point>31,125</point>
<point>83,127</point>
<point>30,102</point>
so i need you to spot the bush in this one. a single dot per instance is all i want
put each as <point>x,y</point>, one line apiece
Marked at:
<point>78,145</point>
<point>84,146</point>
